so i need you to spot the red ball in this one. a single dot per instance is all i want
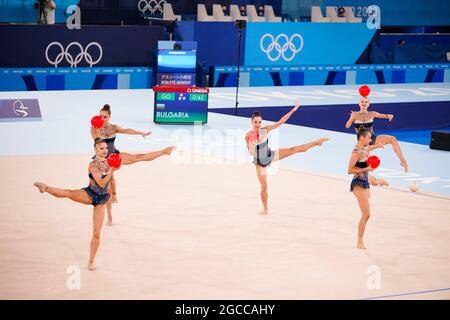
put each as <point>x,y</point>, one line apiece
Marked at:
<point>97,122</point>
<point>364,91</point>
<point>114,160</point>
<point>373,161</point>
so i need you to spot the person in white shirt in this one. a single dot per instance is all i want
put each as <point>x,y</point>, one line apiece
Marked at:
<point>47,15</point>
<point>50,8</point>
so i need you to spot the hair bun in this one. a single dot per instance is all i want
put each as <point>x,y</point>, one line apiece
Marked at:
<point>106,108</point>
<point>256,114</point>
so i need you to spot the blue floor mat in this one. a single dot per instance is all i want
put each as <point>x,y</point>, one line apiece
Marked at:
<point>414,136</point>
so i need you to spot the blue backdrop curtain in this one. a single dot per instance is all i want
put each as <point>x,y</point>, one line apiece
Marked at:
<point>421,53</point>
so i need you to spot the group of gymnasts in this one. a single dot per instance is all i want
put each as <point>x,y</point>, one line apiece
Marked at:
<point>101,191</point>
<point>258,147</point>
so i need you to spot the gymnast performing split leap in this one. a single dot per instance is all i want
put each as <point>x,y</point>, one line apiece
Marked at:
<point>108,134</point>
<point>96,193</point>
<point>360,183</point>
<point>258,147</point>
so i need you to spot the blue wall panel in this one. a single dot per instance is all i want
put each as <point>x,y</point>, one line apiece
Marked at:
<point>55,82</point>
<point>337,75</point>
<point>120,46</point>
<point>299,43</point>
<point>75,79</point>
<point>217,41</point>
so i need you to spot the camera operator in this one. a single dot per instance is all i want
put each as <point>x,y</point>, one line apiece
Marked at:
<point>46,11</point>
<point>341,12</point>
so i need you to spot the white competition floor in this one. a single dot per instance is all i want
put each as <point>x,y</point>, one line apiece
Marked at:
<point>186,227</point>
<point>330,95</point>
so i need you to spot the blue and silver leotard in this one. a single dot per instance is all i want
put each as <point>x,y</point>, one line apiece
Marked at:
<point>364,120</point>
<point>108,134</point>
<point>263,155</point>
<point>98,194</point>
<point>361,179</point>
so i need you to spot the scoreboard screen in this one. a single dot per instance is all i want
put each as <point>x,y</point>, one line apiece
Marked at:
<point>177,61</point>
<point>180,104</point>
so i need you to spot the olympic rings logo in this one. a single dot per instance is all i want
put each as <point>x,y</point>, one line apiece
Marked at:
<point>152,6</point>
<point>82,54</point>
<point>281,47</point>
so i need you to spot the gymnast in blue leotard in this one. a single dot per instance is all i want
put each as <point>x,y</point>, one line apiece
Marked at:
<point>258,146</point>
<point>108,133</point>
<point>98,193</point>
<point>360,183</point>
<point>95,194</point>
<point>363,119</point>
<point>361,179</point>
